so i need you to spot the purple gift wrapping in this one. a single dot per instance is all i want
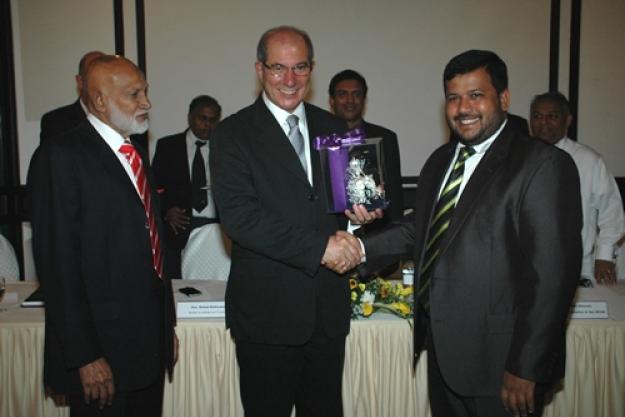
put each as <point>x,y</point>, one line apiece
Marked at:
<point>337,148</point>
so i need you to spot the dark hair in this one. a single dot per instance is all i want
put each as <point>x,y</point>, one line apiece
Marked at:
<point>261,49</point>
<point>204,101</point>
<point>347,74</point>
<point>553,97</point>
<point>474,59</point>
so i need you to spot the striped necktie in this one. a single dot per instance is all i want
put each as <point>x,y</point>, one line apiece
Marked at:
<point>440,223</point>
<point>296,138</point>
<point>136,164</point>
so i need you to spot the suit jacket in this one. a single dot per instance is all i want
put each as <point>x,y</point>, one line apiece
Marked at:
<point>93,257</point>
<point>392,179</point>
<point>277,290</point>
<point>508,266</point>
<point>171,170</point>
<point>61,120</point>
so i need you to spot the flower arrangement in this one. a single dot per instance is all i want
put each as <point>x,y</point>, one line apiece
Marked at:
<point>380,294</point>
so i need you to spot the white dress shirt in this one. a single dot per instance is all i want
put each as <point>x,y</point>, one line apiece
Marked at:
<point>208,211</point>
<point>114,140</point>
<point>602,207</point>
<point>281,116</point>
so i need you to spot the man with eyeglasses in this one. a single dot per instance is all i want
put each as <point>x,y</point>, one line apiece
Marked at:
<point>287,311</point>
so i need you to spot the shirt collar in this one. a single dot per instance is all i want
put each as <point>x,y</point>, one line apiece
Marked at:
<point>281,114</point>
<point>110,135</point>
<point>483,147</point>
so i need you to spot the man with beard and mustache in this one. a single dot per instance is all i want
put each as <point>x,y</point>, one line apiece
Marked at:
<point>496,237</point>
<point>109,308</point>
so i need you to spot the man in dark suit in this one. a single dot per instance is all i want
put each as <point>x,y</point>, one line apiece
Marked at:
<point>185,192</point>
<point>496,236</point>
<point>64,118</point>
<point>348,93</point>
<point>288,314</point>
<point>109,307</point>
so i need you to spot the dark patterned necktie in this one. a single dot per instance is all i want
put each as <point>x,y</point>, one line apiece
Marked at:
<point>198,179</point>
<point>296,138</point>
<point>440,223</point>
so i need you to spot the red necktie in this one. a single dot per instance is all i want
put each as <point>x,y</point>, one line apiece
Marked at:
<point>136,164</point>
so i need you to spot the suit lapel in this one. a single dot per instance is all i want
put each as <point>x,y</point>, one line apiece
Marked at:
<point>478,183</point>
<point>110,162</point>
<point>276,142</point>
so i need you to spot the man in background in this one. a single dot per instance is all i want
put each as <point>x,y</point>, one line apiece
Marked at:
<point>288,314</point>
<point>348,95</point>
<point>604,224</point>
<point>183,178</point>
<point>67,117</point>
<point>96,242</point>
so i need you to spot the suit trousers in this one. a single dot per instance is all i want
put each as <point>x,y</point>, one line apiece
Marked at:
<point>274,378</point>
<point>444,402</point>
<point>145,402</point>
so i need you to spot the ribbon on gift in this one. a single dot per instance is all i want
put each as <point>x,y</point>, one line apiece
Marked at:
<point>337,150</point>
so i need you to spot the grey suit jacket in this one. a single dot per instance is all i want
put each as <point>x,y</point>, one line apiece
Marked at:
<point>508,267</point>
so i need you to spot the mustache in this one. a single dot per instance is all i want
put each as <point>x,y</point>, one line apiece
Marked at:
<point>461,116</point>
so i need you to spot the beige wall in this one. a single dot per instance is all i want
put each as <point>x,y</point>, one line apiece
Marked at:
<point>401,46</point>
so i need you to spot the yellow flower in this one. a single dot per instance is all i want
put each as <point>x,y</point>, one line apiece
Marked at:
<point>404,308</point>
<point>407,291</point>
<point>367,309</point>
<point>362,287</point>
<point>354,295</point>
<point>352,283</point>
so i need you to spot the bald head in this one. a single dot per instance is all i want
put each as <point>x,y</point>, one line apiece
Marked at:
<point>117,94</point>
<point>86,61</point>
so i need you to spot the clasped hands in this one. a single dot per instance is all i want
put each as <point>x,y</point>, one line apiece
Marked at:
<point>344,250</point>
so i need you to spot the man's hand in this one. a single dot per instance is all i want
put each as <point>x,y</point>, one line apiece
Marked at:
<point>176,348</point>
<point>517,394</point>
<point>605,272</point>
<point>177,219</point>
<point>97,382</point>
<point>60,400</point>
<point>360,215</point>
<point>342,253</point>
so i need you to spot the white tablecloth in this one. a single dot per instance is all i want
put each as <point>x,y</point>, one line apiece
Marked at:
<point>378,380</point>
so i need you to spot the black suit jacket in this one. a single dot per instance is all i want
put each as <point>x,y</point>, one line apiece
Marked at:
<point>171,170</point>
<point>277,290</point>
<point>93,257</point>
<point>508,266</point>
<point>392,180</point>
<point>61,120</point>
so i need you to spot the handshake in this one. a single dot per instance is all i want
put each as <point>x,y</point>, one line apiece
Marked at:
<point>343,252</point>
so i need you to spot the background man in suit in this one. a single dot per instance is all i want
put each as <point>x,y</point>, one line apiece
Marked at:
<point>183,178</point>
<point>67,117</point>
<point>288,314</point>
<point>348,93</point>
<point>109,307</point>
<point>496,236</point>
<point>602,206</point>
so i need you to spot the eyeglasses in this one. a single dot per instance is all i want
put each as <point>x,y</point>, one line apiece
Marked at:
<point>279,70</point>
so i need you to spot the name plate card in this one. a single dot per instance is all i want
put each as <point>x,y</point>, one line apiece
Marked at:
<point>201,309</point>
<point>589,310</point>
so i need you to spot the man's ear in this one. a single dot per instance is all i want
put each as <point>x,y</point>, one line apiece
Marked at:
<point>504,99</point>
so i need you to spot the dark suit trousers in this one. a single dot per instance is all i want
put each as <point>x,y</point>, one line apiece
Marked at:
<point>273,378</point>
<point>146,402</point>
<point>444,402</point>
